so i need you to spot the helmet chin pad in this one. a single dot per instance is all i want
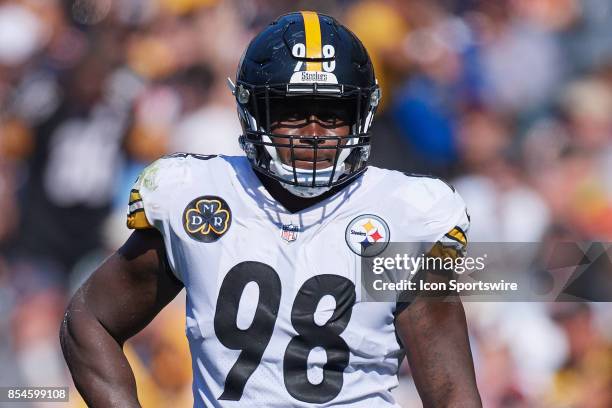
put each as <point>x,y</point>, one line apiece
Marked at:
<point>304,178</point>
<point>314,183</point>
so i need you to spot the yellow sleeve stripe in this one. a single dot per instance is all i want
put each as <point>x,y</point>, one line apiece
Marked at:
<point>138,220</point>
<point>135,196</point>
<point>458,235</point>
<point>312,32</point>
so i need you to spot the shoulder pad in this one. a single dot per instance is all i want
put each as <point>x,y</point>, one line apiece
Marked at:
<point>155,184</point>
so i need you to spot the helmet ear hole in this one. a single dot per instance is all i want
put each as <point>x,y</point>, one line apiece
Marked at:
<point>375,98</point>
<point>242,95</point>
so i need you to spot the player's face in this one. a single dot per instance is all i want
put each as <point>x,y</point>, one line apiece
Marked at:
<point>321,123</point>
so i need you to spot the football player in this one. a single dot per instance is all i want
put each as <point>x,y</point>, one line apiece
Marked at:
<point>268,248</point>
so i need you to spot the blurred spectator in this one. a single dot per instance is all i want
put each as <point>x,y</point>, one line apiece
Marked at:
<point>22,33</point>
<point>73,167</point>
<point>208,125</point>
<point>521,59</point>
<point>382,29</point>
<point>577,184</point>
<point>426,107</point>
<point>585,378</point>
<point>505,208</point>
<point>499,390</point>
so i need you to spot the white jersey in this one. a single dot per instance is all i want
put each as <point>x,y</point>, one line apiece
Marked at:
<point>274,311</point>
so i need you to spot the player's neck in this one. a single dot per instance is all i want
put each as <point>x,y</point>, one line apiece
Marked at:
<point>292,202</point>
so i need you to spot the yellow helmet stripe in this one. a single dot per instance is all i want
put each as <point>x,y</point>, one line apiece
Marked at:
<point>312,29</point>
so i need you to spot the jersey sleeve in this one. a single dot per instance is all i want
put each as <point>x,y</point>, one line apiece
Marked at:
<point>457,235</point>
<point>443,227</point>
<point>136,217</point>
<point>152,199</point>
<point>449,220</point>
<point>152,194</point>
<point>140,208</point>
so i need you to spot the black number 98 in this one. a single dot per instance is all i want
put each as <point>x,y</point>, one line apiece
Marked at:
<point>253,341</point>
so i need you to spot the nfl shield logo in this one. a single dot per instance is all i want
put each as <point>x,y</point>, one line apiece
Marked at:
<point>289,232</point>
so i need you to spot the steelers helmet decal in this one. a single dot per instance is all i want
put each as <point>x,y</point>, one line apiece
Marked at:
<point>207,218</point>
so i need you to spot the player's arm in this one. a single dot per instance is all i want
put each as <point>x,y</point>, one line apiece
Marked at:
<point>433,330</point>
<point>119,299</point>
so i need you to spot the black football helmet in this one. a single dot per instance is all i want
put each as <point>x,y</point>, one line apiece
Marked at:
<point>311,58</point>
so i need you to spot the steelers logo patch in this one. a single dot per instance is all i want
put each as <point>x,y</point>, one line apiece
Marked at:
<point>367,235</point>
<point>207,218</point>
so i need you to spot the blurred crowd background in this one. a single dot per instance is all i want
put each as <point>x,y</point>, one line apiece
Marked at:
<point>511,100</point>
